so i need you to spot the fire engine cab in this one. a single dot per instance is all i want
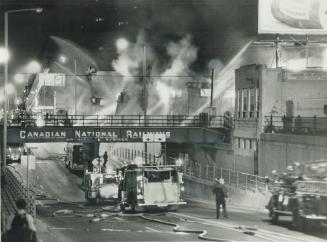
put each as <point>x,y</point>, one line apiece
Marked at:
<point>150,187</point>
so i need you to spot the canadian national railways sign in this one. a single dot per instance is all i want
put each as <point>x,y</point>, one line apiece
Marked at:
<point>104,135</point>
<point>23,134</point>
<point>178,135</point>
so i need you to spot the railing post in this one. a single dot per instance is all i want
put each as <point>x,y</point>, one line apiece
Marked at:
<point>221,172</point>
<point>228,176</point>
<point>236,179</point>
<point>200,170</point>
<point>256,183</point>
<point>97,120</point>
<point>214,173</point>
<point>207,172</point>
<point>271,123</point>
<point>185,167</point>
<point>246,182</point>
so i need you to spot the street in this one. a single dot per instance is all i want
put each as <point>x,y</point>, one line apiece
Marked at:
<point>63,215</point>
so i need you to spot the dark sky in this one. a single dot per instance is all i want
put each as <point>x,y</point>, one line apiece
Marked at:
<point>219,28</point>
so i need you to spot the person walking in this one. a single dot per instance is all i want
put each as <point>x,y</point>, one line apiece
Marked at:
<point>221,194</point>
<point>20,226</point>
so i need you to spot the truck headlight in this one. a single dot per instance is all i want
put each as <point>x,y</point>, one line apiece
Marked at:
<point>182,188</point>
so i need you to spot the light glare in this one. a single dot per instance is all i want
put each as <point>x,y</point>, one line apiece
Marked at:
<point>4,55</point>
<point>121,44</point>
<point>33,67</point>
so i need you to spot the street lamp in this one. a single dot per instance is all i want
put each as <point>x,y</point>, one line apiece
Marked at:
<point>37,10</point>
<point>122,44</point>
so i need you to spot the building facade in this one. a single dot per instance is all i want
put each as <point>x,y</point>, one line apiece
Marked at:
<point>276,100</point>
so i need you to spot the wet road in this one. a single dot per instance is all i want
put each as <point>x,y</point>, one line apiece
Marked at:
<point>63,215</point>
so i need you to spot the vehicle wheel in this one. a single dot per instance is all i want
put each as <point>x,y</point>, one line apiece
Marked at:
<point>274,217</point>
<point>88,200</point>
<point>122,207</point>
<point>132,207</point>
<point>298,222</point>
<point>98,200</point>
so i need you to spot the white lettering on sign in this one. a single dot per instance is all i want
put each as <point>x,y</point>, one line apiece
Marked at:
<point>156,136</point>
<point>40,134</point>
<point>134,134</point>
<point>95,134</point>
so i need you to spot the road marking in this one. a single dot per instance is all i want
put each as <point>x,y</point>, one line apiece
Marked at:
<point>60,228</point>
<point>119,219</point>
<point>261,233</point>
<point>117,230</point>
<point>153,230</point>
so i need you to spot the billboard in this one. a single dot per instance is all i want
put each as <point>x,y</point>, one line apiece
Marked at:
<point>302,17</point>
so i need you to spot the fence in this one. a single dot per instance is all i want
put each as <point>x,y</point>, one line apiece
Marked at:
<point>298,125</point>
<point>201,120</point>
<point>12,189</point>
<point>238,180</point>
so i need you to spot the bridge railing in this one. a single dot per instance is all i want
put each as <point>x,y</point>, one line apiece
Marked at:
<point>239,180</point>
<point>123,121</point>
<point>296,125</point>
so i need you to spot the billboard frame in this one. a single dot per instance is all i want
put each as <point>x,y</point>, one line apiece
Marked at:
<point>291,31</point>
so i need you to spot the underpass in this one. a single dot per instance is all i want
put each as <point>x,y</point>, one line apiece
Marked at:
<point>63,215</point>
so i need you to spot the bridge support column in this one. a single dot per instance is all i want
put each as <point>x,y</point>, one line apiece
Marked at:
<point>96,148</point>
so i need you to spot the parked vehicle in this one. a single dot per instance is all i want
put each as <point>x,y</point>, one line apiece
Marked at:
<point>14,154</point>
<point>79,155</point>
<point>100,187</point>
<point>74,156</point>
<point>305,199</point>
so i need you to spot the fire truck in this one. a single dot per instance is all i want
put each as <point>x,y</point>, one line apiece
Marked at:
<point>146,187</point>
<point>78,154</point>
<point>14,154</point>
<point>304,199</point>
<point>100,187</point>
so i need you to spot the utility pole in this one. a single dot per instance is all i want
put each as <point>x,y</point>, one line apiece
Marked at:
<point>145,102</point>
<point>75,67</point>
<point>307,51</point>
<point>277,51</point>
<point>211,94</point>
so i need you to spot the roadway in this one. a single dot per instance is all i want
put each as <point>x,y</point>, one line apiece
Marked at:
<point>63,215</point>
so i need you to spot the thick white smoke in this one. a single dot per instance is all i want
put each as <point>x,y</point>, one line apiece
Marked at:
<point>166,85</point>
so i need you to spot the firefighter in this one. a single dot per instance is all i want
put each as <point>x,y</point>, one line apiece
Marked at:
<point>221,195</point>
<point>97,163</point>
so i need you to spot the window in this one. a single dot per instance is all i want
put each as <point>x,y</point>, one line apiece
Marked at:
<point>157,176</point>
<point>239,143</point>
<point>245,102</point>
<point>252,102</point>
<point>325,109</point>
<point>239,104</point>
<point>257,101</point>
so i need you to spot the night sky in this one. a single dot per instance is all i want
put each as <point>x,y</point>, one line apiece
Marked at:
<point>218,28</point>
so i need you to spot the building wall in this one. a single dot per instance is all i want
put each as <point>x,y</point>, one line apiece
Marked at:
<point>306,89</point>
<point>247,115</point>
<point>277,151</point>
